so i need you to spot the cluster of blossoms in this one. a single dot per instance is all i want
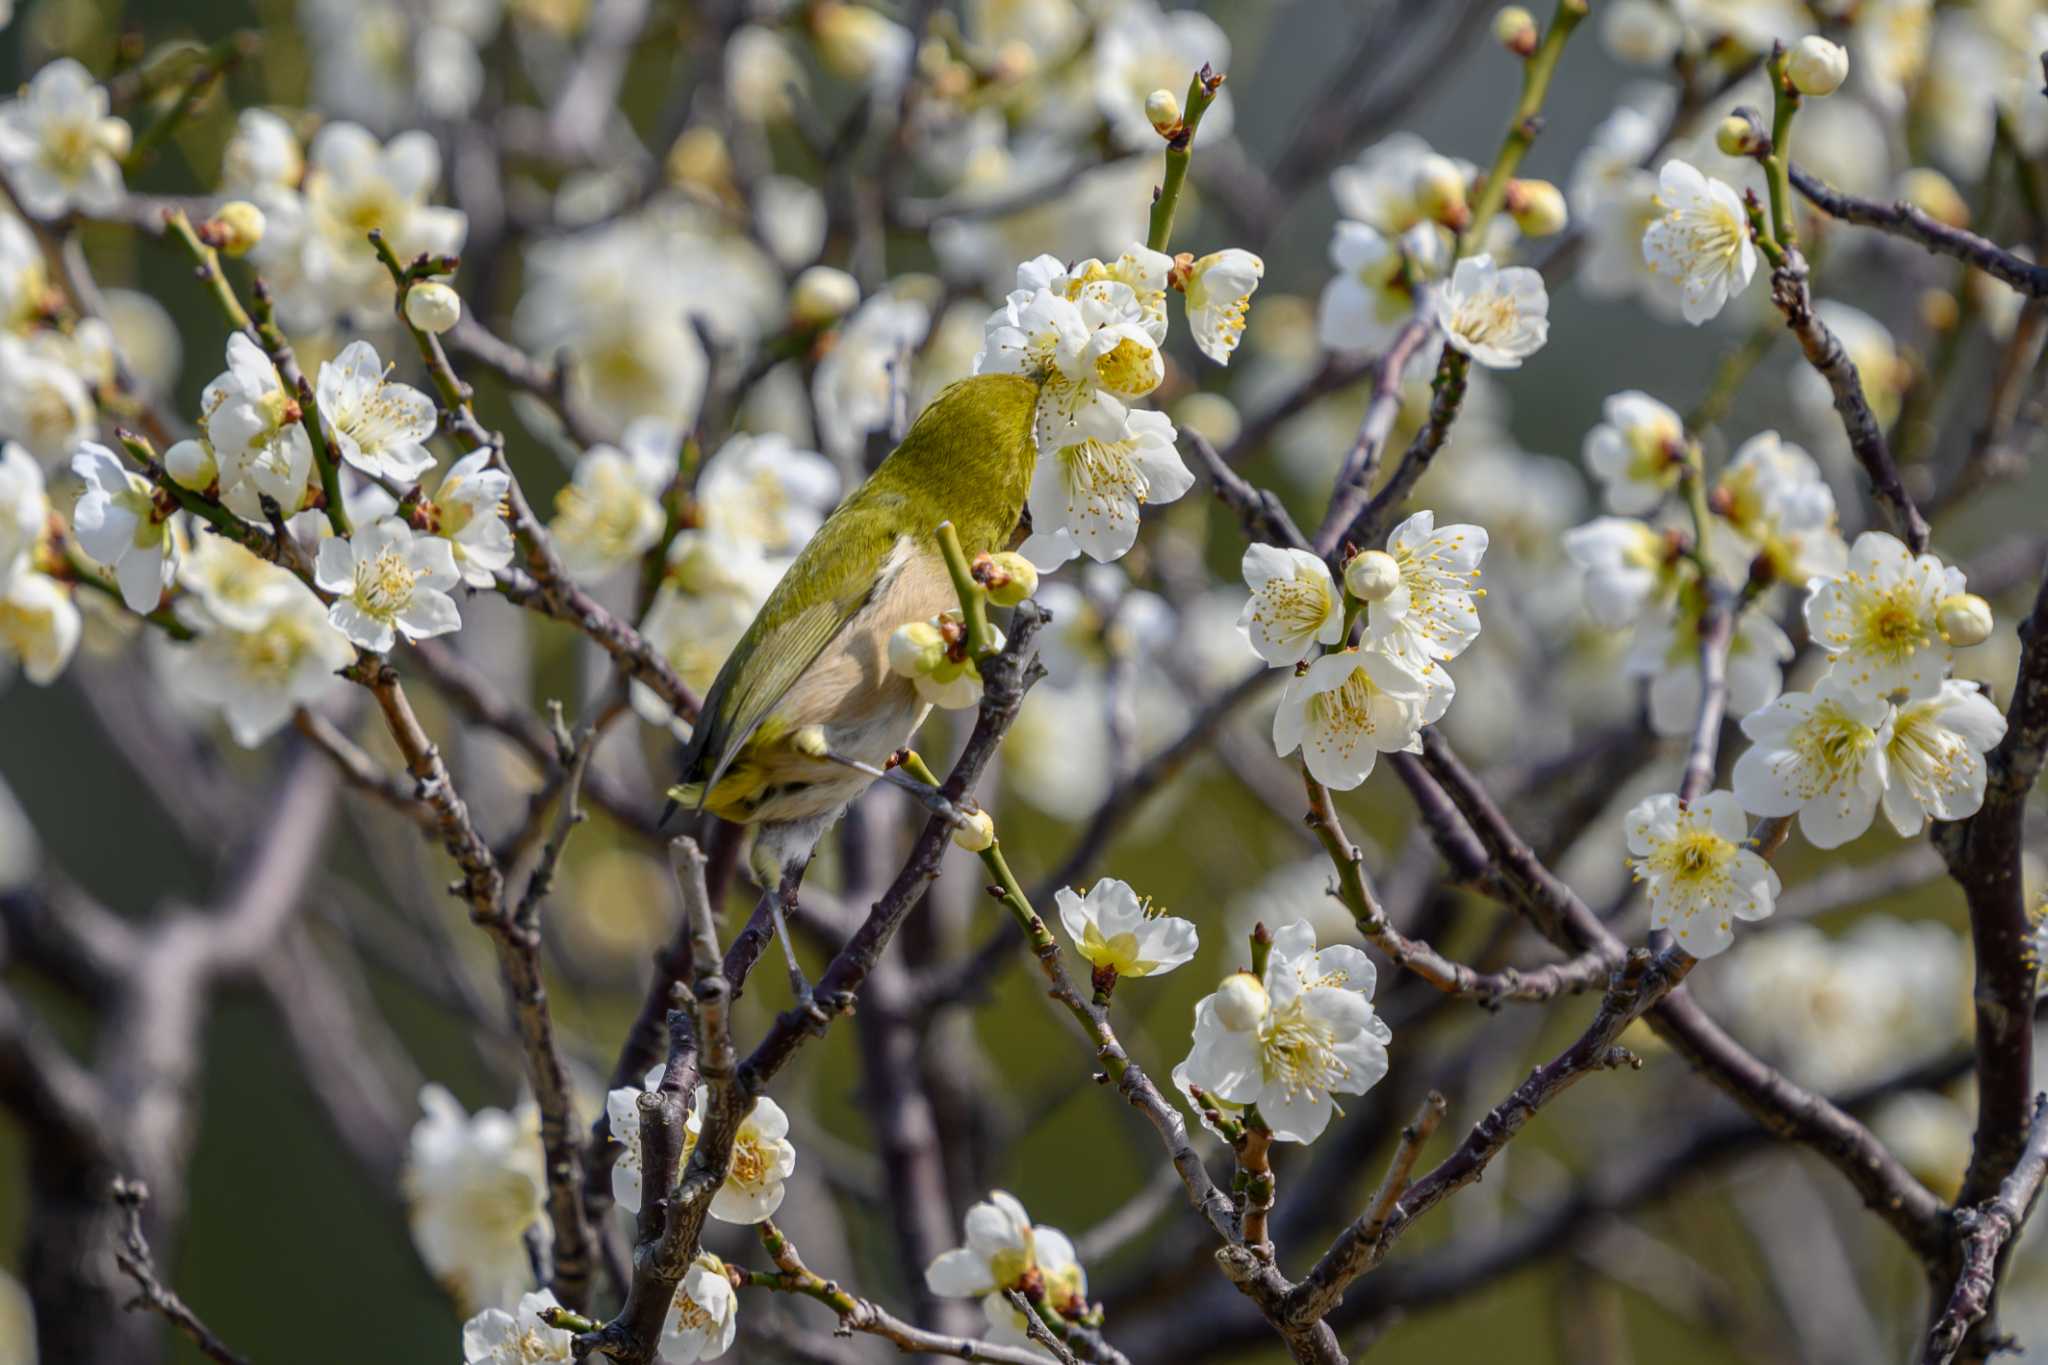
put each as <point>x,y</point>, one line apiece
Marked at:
<point>1883,724</point>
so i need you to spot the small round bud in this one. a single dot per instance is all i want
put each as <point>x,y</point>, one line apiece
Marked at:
<point>1163,110</point>
<point>1241,1002</point>
<point>1935,195</point>
<point>916,648</point>
<point>978,835</point>
<point>1964,619</point>
<point>1009,578</point>
<point>699,158</point>
<point>1740,135</point>
<point>1817,66</point>
<point>1537,206</point>
<point>1440,191</point>
<point>237,227</point>
<point>433,307</point>
<point>1372,576</point>
<point>1514,28</point>
<point>822,294</point>
<point>191,464</point>
<point>114,137</point>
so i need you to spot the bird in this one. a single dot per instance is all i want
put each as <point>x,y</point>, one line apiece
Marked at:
<point>805,712</point>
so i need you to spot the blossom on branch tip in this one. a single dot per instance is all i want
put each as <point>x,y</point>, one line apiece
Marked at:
<point>762,1155</point>
<point>1699,874</point>
<point>1293,606</point>
<point>1003,1251</point>
<point>1219,294</point>
<point>1086,495</point>
<point>1638,451</point>
<point>59,146</point>
<point>1347,709</point>
<point>522,1337</point>
<point>1499,317</point>
<point>1316,1037</point>
<point>1115,928</point>
<point>1700,240</point>
<point>1936,754</point>
<point>388,582</point>
<point>376,424</point>
<point>704,1316</point>
<point>1432,611</point>
<point>1879,620</point>
<point>1820,756</point>
<point>119,522</point>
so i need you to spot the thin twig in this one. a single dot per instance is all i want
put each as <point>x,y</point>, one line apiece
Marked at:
<point>137,1264</point>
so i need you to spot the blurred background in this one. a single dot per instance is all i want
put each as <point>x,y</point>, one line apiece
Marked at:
<point>292,1250</point>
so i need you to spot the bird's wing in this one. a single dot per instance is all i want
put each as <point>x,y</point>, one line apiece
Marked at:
<point>783,641</point>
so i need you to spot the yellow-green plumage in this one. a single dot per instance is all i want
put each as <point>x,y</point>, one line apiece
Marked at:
<point>817,654</point>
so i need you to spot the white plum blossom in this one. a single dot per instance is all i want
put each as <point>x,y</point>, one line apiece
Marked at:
<point>39,626</point>
<point>1147,272</point>
<point>764,490</point>
<point>119,523</point>
<point>1667,651</point>
<point>1936,756</point>
<point>1294,1039</point>
<point>1117,930</point>
<point>1380,187</point>
<point>610,512</point>
<point>43,402</point>
<point>1432,613</point>
<point>704,1316</point>
<point>1219,293</point>
<point>376,424</point>
<point>265,646</point>
<point>264,154</point>
<point>1373,291</point>
<point>1819,755</point>
<point>521,1337</point>
<point>1626,567</point>
<point>474,1189</point>
<point>762,1155</point>
<point>252,427</point>
<point>387,582</point>
<point>1637,452</point>
<point>854,387</point>
<point>469,513</point>
<point>1349,708</point>
<point>59,146</point>
<point>1086,495</point>
<point>24,508</point>
<point>1498,316</point>
<point>1701,240</point>
<point>1775,497</point>
<point>1294,605</point>
<point>1879,620</point>
<point>1093,354</point>
<point>1004,1251</point>
<point>1699,874</point>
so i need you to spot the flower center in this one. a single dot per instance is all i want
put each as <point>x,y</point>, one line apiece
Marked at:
<point>1346,711</point>
<point>384,585</point>
<point>1892,623</point>
<point>1694,856</point>
<point>1129,367</point>
<point>1297,606</point>
<point>1102,475</point>
<point>1299,1053</point>
<point>1489,318</point>
<point>1832,744</point>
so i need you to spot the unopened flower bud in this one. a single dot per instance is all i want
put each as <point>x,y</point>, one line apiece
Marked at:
<point>1163,110</point>
<point>433,307</point>
<point>1241,1002</point>
<point>1514,28</point>
<point>1964,619</point>
<point>1009,578</point>
<point>1440,191</point>
<point>978,835</point>
<point>191,464</point>
<point>1372,576</point>
<point>1817,66</point>
<point>822,294</point>
<point>114,137</point>
<point>917,647</point>
<point>1537,206</point>
<point>1935,195</point>
<point>1740,135</point>
<point>238,227</point>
